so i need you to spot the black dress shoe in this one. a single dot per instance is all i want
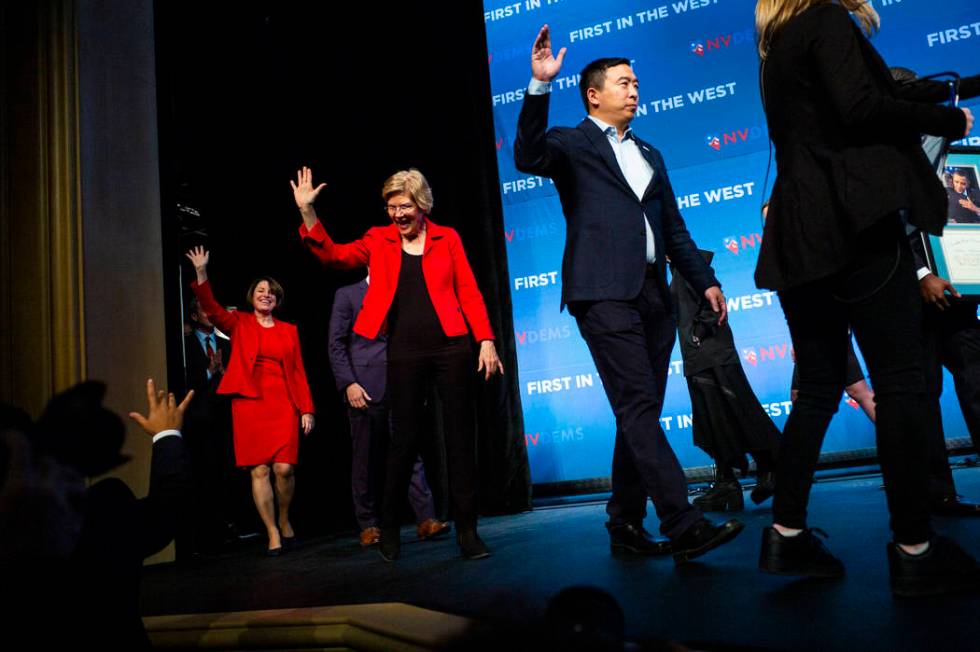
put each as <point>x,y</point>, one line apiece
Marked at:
<point>289,543</point>
<point>722,496</point>
<point>802,556</point>
<point>274,552</point>
<point>389,546</point>
<point>471,546</point>
<point>632,538</point>
<point>953,506</point>
<point>943,568</point>
<point>765,487</point>
<point>702,537</point>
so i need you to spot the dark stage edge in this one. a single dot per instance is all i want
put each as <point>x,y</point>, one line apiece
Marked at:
<point>721,601</point>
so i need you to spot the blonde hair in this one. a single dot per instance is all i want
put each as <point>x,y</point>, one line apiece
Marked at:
<point>772,15</point>
<point>412,183</point>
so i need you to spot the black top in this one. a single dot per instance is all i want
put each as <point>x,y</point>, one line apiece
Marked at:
<point>413,325</point>
<point>847,146</point>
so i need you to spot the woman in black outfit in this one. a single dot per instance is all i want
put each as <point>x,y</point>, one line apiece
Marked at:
<point>849,167</point>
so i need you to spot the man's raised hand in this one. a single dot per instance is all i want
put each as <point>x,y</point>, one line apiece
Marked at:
<point>163,412</point>
<point>544,65</point>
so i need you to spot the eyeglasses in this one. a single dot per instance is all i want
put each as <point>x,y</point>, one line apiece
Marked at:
<point>395,209</point>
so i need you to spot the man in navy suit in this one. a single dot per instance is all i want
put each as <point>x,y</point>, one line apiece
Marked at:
<point>219,513</point>
<point>622,224</point>
<point>360,369</point>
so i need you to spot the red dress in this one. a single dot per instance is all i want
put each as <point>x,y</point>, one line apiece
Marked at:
<point>267,426</point>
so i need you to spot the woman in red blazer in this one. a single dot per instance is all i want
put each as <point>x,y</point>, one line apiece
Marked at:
<point>271,398</point>
<point>421,297</point>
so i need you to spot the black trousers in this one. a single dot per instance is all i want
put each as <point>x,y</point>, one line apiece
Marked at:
<point>370,433</point>
<point>877,296</point>
<point>451,370</point>
<point>951,339</point>
<point>630,342</point>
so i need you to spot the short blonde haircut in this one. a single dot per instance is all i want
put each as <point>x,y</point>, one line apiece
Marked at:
<point>772,15</point>
<point>412,183</point>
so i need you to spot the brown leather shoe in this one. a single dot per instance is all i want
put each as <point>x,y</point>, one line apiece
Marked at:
<point>431,527</point>
<point>370,536</point>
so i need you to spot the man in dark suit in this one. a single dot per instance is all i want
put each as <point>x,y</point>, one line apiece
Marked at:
<point>222,496</point>
<point>80,584</point>
<point>622,223</point>
<point>360,370</point>
<point>951,339</point>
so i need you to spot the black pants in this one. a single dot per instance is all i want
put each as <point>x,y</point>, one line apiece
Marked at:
<point>451,369</point>
<point>630,342</point>
<point>952,340</point>
<point>370,432</point>
<point>877,297</point>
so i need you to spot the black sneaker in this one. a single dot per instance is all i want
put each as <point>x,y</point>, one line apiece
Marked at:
<point>389,546</point>
<point>803,555</point>
<point>471,546</point>
<point>702,537</point>
<point>943,568</point>
<point>722,496</point>
<point>765,487</point>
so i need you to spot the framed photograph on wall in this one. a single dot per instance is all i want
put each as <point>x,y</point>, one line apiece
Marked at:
<point>956,255</point>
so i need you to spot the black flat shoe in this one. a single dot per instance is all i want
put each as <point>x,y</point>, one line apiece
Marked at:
<point>703,537</point>
<point>633,539</point>
<point>274,552</point>
<point>389,546</point>
<point>722,496</point>
<point>943,568</point>
<point>801,556</point>
<point>289,543</point>
<point>471,546</point>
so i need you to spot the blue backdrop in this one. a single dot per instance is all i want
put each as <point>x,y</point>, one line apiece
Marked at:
<point>698,71</point>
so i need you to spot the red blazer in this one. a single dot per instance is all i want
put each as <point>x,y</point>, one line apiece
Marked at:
<point>448,276</point>
<point>243,329</point>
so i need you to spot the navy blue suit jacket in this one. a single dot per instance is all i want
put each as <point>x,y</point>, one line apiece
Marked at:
<point>356,359</point>
<point>605,245</point>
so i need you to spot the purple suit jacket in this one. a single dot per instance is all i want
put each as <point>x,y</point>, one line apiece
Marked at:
<point>356,359</point>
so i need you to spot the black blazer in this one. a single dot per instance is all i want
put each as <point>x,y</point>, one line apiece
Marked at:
<point>605,245</point>
<point>704,343</point>
<point>847,146</point>
<point>355,359</point>
<point>119,531</point>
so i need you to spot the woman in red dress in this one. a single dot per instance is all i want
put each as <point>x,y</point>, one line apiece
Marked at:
<point>271,398</point>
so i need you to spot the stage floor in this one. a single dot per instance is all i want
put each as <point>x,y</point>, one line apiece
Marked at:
<point>719,601</point>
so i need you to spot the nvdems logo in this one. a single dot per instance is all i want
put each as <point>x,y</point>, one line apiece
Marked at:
<point>766,353</point>
<point>706,45</point>
<point>734,137</point>
<point>736,243</point>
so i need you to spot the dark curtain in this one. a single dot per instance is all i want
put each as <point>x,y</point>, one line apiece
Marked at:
<point>248,94</point>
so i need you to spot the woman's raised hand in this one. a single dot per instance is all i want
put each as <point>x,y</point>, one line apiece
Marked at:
<point>303,191</point>
<point>199,257</point>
